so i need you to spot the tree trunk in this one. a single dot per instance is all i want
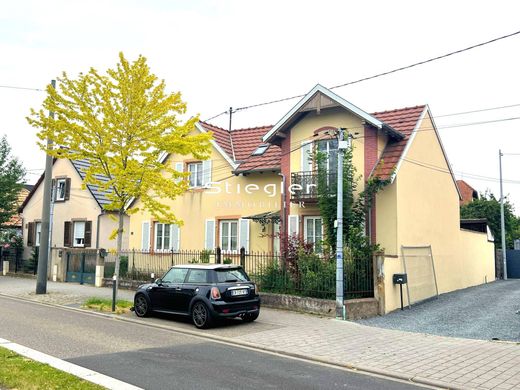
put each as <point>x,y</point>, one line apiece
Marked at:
<point>119,248</point>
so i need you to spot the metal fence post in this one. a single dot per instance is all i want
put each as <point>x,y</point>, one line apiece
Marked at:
<point>219,255</point>
<point>243,257</point>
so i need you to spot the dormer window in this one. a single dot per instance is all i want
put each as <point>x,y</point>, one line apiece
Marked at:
<point>260,150</point>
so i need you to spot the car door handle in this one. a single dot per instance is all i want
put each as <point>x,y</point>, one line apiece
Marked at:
<point>177,289</point>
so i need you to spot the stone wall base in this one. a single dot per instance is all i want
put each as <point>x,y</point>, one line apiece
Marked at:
<point>356,308</point>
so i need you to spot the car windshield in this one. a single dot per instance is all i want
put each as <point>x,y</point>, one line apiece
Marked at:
<point>231,275</point>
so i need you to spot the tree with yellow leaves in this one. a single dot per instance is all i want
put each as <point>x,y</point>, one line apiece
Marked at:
<point>123,123</point>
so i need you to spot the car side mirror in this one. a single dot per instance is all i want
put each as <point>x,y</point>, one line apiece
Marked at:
<point>158,281</point>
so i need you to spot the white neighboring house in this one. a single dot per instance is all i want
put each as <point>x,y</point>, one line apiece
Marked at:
<point>79,219</point>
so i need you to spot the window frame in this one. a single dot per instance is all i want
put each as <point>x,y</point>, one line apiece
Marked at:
<point>156,236</point>
<point>37,237</point>
<point>58,198</point>
<point>82,244</point>
<point>314,218</point>
<point>199,174</point>
<point>228,247</point>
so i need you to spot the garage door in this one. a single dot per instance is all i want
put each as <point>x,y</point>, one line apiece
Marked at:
<point>513,264</point>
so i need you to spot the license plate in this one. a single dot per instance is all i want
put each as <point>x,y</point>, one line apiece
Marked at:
<point>242,291</point>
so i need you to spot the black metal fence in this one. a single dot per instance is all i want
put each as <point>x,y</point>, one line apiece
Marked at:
<point>310,274</point>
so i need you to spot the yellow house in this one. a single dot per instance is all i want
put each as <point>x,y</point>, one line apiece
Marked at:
<point>265,173</point>
<point>79,219</point>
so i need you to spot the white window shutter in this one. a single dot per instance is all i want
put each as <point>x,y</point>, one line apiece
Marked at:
<point>306,161</point>
<point>244,234</point>
<point>145,236</point>
<point>294,225</point>
<point>179,167</point>
<point>206,172</point>
<point>209,241</point>
<point>176,237</point>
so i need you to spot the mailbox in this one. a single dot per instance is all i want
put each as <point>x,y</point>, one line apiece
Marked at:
<point>400,278</point>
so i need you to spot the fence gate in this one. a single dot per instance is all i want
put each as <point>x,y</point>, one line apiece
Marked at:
<point>513,264</point>
<point>81,267</point>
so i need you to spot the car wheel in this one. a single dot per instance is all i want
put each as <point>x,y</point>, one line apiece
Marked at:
<point>201,315</point>
<point>250,317</point>
<point>141,306</point>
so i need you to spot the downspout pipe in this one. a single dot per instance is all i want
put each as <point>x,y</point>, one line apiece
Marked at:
<point>97,227</point>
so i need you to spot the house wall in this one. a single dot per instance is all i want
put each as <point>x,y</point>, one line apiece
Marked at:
<point>427,213</point>
<point>108,223</point>
<point>81,206</point>
<point>303,131</point>
<point>195,206</point>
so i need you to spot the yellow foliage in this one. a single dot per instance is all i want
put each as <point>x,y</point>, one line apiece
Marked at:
<point>123,122</point>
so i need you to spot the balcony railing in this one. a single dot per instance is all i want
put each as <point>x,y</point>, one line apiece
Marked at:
<point>304,185</point>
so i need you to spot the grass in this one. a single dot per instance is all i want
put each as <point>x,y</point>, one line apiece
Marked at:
<point>104,304</point>
<point>18,372</point>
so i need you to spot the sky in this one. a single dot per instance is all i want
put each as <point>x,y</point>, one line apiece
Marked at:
<point>222,54</point>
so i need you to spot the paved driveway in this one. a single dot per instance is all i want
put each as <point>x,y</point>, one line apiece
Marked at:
<point>490,311</point>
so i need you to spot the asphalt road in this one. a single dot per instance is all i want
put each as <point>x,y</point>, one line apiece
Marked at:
<point>485,312</point>
<point>162,359</point>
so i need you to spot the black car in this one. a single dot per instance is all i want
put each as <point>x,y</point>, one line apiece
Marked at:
<point>204,292</point>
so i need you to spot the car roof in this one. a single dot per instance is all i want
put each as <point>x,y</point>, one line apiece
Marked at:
<point>208,266</point>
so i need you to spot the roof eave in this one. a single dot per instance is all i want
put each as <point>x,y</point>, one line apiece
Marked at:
<point>289,116</point>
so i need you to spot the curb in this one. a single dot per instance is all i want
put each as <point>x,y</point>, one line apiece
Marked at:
<point>70,368</point>
<point>225,340</point>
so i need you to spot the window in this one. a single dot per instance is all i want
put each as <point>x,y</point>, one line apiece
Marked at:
<point>313,232</point>
<point>195,170</point>
<point>260,150</point>
<point>231,275</point>
<point>175,275</point>
<point>166,237</point>
<point>198,276</point>
<point>37,233</point>
<point>329,147</point>
<point>79,234</point>
<point>229,235</point>
<point>61,189</point>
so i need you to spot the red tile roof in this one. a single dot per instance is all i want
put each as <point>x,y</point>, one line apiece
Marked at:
<point>467,192</point>
<point>403,120</point>
<point>246,141</point>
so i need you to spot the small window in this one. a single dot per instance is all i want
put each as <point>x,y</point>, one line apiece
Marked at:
<point>260,150</point>
<point>79,234</point>
<point>61,185</point>
<point>175,275</point>
<point>195,170</point>
<point>198,276</point>
<point>166,237</point>
<point>37,233</point>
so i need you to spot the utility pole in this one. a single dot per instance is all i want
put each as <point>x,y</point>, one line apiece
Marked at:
<point>43,255</point>
<point>340,299</point>
<point>502,219</point>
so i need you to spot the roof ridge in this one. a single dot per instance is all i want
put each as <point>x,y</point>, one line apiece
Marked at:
<point>252,128</point>
<point>399,109</point>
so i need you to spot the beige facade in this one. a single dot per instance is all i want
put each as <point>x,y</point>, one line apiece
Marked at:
<point>420,207</point>
<point>74,207</point>
<point>203,210</point>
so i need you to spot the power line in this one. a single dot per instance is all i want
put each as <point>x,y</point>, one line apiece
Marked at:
<point>383,73</point>
<point>23,88</point>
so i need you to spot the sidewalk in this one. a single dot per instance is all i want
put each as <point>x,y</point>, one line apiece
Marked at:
<point>434,360</point>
